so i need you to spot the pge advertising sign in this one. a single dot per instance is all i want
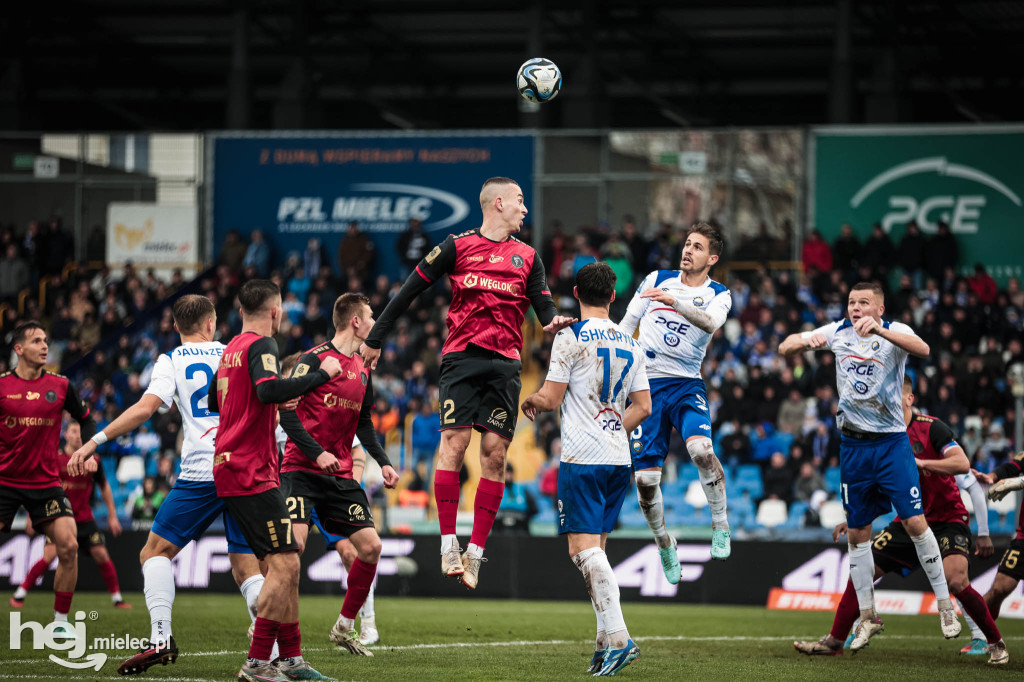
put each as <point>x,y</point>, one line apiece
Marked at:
<point>294,188</point>
<point>969,179</point>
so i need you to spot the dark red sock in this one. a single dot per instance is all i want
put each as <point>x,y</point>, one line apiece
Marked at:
<point>485,508</point>
<point>263,637</point>
<point>360,578</point>
<point>975,606</point>
<point>38,568</point>
<point>62,601</point>
<point>109,574</point>
<point>846,614</point>
<point>446,493</point>
<point>289,640</point>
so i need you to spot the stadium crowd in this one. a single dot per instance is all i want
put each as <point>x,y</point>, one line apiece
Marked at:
<point>767,411</point>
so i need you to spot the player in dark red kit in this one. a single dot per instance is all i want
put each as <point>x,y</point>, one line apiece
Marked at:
<point>32,402</point>
<point>317,468</point>
<point>245,392</point>
<point>79,490</point>
<point>494,278</point>
<point>939,458</point>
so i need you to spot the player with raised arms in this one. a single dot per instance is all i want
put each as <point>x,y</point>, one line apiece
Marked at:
<point>181,377</point>
<point>32,403</point>
<point>877,466</point>
<point>595,369</point>
<point>940,460</point>
<point>313,477</point>
<point>678,311</point>
<point>494,279</point>
<point>246,391</point>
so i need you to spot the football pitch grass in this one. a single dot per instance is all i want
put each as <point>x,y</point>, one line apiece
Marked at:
<point>462,638</point>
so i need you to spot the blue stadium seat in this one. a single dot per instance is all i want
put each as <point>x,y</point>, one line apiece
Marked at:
<point>748,478</point>
<point>688,472</point>
<point>883,520</point>
<point>796,515</point>
<point>634,518</point>
<point>832,480</point>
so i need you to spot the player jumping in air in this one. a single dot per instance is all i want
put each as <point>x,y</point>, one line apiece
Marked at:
<point>595,366</point>
<point>79,490</point>
<point>245,391</point>
<point>494,278</point>
<point>181,377</point>
<point>32,402</point>
<point>939,459</point>
<point>678,311</point>
<point>313,477</point>
<point>877,467</point>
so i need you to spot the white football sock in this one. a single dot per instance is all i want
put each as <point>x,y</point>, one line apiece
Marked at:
<point>712,479</point>
<point>475,550</point>
<point>60,617</point>
<point>930,557</point>
<point>20,593</point>
<point>648,492</point>
<point>116,597</point>
<point>601,642</point>
<point>447,541</point>
<point>604,590</point>
<point>862,574</point>
<point>366,612</point>
<point>158,585</point>
<point>976,632</point>
<point>250,589</point>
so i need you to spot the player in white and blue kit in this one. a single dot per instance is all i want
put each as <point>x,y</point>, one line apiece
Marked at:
<point>182,377</point>
<point>877,465</point>
<point>678,311</point>
<point>595,367</point>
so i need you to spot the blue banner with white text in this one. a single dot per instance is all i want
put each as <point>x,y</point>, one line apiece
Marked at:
<point>296,188</point>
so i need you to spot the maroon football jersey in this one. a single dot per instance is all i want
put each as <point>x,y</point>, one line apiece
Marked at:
<point>79,488</point>
<point>931,439</point>
<point>330,413</point>
<point>1016,462</point>
<point>245,457</point>
<point>30,421</point>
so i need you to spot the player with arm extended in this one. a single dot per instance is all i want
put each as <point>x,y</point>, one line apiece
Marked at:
<point>313,477</point>
<point>1007,477</point>
<point>877,468</point>
<point>494,279</point>
<point>32,402</point>
<point>940,460</point>
<point>678,311</point>
<point>181,377</point>
<point>595,367</point>
<point>246,391</point>
<point>79,490</point>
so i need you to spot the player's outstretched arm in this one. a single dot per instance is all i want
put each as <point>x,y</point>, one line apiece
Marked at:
<point>968,482</point>
<point>954,461</point>
<point>540,298</point>
<point>113,523</point>
<point>910,342</point>
<point>368,438</point>
<point>81,413</point>
<point>707,321</point>
<point>801,342</point>
<point>270,387</point>
<point>548,398</point>
<point>639,409</point>
<point>129,420</point>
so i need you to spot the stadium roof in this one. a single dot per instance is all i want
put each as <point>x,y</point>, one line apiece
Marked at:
<point>196,64</point>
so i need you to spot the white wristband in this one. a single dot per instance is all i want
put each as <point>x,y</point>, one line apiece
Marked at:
<point>100,438</point>
<point>806,336</point>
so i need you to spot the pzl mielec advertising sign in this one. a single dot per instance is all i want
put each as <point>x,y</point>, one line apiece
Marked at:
<point>970,178</point>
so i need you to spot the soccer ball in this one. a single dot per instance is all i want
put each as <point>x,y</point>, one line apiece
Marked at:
<point>539,80</point>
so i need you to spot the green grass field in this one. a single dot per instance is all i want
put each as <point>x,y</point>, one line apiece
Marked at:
<point>463,638</point>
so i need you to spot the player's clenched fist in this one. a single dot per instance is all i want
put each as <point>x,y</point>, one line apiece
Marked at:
<point>369,355</point>
<point>529,409</point>
<point>82,461</point>
<point>331,366</point>
<point>817,341</point>
<point>327,462</point>
<point>390,476</point>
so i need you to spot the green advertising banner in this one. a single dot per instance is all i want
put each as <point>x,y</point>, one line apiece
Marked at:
<point>971,178</point>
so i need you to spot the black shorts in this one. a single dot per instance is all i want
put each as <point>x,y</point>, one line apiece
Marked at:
<point>264,520</point>
<point>479,388</point>
<point>42,504</point>
<point>894,551</point>
<point>340,503</point>
<point>1012,563</point>
<point>89,535</point>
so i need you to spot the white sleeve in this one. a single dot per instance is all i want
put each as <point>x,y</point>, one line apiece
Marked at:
<point>969,483</point>
<point>639,382</point>
<point>828,331</point>
<point>902,328</point>
<point>356,443</point>
<point>161,383</point>
<point>637,306</point>
<point>719,308</point>
<point>562,356</point>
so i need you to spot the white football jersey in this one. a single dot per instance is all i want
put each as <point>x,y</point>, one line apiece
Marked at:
<point>675,348</point>
<point>602,365</point>
<point>869,377</point>
<point>183,376</point>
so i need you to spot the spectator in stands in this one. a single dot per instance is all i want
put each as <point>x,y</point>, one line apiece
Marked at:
<point>232,251</point>
<point>823,446</point>
<point>313,257</point>
<point>941,253</point>
<point>792,411</point>
<point>816,255</point>
<point>257,256</point>
<point>14,274</point>
<point>517,506</point>
<point>356,255</point>
<point>584,254</point>
<point>145,504</point>
<point>910,254</point>
<point>778,479</point>
<point>808,482</point>
<point>983,285</point>
<point>846,251</point>
<point>616,254</point>
<point>426,437</point>
<point>412,246</point>
<point>878,255</point>
<point>638,245</point>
